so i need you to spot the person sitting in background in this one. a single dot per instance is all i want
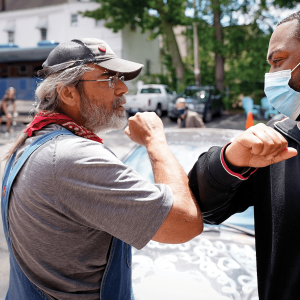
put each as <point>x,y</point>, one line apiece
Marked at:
<point>188,119</point>
<point>8,98</point>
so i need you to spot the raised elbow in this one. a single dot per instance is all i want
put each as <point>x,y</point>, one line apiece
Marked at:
<point>193,231</point>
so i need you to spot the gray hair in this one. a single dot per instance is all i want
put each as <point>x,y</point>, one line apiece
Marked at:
<point>46,95</point>
<point>48,98</point>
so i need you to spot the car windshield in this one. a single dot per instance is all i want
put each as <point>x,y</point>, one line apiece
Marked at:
<point>150,91</point>
<point>194,95</point>
<point>187,155</point>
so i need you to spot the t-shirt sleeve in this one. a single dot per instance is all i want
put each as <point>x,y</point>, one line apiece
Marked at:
<point>97,190</point>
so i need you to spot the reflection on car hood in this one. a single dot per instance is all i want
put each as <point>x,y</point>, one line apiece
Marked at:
<point>219,264</point>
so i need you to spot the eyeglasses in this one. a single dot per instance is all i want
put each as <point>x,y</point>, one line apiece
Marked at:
<point>112,80</point>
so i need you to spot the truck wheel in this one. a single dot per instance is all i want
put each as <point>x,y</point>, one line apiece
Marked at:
<point>221,111</point>
<point>158,110</point>
<point>173,119</point>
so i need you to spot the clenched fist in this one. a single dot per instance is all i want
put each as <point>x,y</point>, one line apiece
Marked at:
<point>144,128</point>
<point>257,147</point>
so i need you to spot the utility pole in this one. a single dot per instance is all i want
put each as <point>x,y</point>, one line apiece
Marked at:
<point>196,49</point>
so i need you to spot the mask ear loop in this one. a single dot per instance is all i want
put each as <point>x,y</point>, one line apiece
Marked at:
<point>295,67</point>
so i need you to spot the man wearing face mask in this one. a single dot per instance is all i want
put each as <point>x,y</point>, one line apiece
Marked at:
<point>187,119</point>
<point>255,170</point>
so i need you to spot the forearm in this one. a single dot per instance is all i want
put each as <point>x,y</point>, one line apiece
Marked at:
<point>219,192</point>
<point>166,168</point>
<point>184,221</point>
<point>4,106</point>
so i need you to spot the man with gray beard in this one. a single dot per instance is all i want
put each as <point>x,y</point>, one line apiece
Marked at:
<point>71,209</point>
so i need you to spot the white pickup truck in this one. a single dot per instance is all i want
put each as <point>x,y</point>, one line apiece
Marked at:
<point>150,97</point>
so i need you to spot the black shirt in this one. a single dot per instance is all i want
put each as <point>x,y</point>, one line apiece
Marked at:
<point>274,192</point>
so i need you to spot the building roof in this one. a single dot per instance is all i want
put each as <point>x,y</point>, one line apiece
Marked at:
<point>24,54</point>
<point>26,4</point>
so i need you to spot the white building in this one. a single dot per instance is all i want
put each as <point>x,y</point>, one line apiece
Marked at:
<point>26,23</point>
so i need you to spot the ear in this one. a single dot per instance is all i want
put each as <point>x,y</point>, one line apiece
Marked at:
<point>68,95</point>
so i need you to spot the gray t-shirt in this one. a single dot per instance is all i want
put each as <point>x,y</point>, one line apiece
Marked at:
<point>69,199</point>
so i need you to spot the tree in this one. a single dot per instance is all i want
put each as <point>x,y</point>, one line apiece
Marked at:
<point>243,50</point>
<point>286,3</point>
<point>158,16</point>
<point>216,7</point>
<point>222,15</point>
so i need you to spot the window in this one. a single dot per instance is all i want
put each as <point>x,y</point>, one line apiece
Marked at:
<point>169,91</point>
<point>11,37</point>
<point>194,93</point>
<point>99,23</point>
<point>74,20</point>
<point>132,26</point>
<point>22,69</point>
<point>148,64</point>
<point>43,34</point>
<point>150,91</point>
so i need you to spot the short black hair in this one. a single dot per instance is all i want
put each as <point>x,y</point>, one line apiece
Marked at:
<point>294,16</point>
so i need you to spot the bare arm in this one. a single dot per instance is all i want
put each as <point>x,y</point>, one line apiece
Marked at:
<point>14,107</point>
<point>4,106</point>
<point>7,113</point>
<point>184,220</point>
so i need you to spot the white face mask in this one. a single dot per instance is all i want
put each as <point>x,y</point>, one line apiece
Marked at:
<point>281,95</point>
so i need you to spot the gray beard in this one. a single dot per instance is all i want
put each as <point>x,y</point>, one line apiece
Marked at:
<point>99,119</point>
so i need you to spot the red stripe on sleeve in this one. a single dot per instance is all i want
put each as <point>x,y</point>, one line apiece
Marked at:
<point>237,175</point>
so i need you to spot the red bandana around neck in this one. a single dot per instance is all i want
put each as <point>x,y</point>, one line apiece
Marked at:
<point>45,118</point>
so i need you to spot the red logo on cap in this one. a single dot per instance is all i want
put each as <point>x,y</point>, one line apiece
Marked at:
<point>102,48</point>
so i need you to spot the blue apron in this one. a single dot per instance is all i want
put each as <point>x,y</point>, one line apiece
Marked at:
<point>116,281</point>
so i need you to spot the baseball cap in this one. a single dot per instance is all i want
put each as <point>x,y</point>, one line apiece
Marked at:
<point>84,51</point>
<point>180,100</point>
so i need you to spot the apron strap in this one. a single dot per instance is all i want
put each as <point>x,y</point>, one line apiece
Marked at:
<point>12,171</point>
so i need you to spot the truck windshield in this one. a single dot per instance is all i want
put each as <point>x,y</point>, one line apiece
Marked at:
<point>192,95</point>
<point>150,91</point>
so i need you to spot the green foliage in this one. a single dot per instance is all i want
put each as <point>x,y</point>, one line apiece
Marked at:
<point>146,14</point>
<point>286,3</point>
<point>156,78</point>
<point>157,16</point>
<point>168,79</point>
<point>206,55</point>
<point>246,60</point>
<point>244,49</point>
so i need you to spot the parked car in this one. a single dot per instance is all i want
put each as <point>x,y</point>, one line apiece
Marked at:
<point>205,100</point>
<point>219,264</point>
<point>150,97</point>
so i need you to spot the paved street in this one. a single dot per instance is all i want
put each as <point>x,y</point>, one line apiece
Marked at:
<point>117,141</point>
